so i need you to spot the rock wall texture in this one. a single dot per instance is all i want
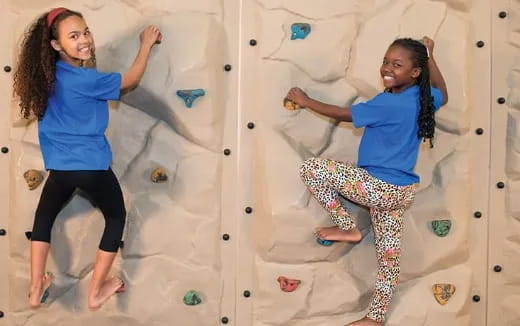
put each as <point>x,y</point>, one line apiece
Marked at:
<point>232,216</point>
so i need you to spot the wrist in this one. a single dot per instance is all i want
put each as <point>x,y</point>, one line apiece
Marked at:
<point>307,102</point>
<point>145,48</point>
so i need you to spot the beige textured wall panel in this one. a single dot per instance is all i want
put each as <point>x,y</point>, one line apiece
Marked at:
<point>504,283</point>
<point>172,237</point>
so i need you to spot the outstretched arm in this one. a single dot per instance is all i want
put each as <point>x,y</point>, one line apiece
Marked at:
<point>332,111</point>
<point>436,79</point>
<point>130,79</point>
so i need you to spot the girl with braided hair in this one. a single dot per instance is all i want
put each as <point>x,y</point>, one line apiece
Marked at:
<point>395,122</point>
<point>57,83</point>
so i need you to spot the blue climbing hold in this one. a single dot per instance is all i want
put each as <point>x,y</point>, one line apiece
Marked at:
<point>300,30</point>
<point>323,242</point>
<point>44,297</point>
<point>190,95</point>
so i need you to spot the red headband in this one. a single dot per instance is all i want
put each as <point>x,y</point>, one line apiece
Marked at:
<point>52,15</point>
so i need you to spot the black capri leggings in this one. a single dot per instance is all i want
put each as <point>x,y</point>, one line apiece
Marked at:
<point>103,189</point>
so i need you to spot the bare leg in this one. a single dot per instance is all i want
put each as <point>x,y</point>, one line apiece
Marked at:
<point>334,233</point>
<point>101,288</point>
<point>39,281</point>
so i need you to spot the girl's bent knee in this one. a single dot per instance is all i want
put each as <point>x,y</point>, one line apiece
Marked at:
<point>307,166</point>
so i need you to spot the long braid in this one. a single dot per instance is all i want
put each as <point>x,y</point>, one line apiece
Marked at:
<point>426,118</point>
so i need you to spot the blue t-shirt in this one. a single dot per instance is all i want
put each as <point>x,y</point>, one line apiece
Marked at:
<point>390,145</point>
<point>72,130</point>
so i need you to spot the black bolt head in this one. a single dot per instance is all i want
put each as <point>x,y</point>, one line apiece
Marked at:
<point>225,236</point>
<point>227,67</point>
<point>3,232</point>
<point>476,298</point>
<point>247,294</point>
<point>477,214</point>
<point>500,185</point>
<point>497,268</point>
<point>479,131</point>
<point>252,42</point>
<point>1,314</point>
<point>249,210</point>
<point>502,14</point>
<point>501,100</point>
<point>227,151</point>
<point>250,125</point>
<point>7,68</point>
<point>28,235</point>
<point>224,320</point>
<point>5,150</point>
<point>480,44</point>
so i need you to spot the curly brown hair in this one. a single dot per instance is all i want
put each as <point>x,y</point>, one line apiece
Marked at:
<point>36,68</point>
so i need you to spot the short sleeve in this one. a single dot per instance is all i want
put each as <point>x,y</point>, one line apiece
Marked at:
<point>368,113</point>
<point>106,86</point>
<point>437,98</point>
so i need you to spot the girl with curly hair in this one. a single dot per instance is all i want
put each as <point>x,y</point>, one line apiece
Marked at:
<point>57,82</point>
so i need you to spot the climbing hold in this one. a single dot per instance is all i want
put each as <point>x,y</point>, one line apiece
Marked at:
<point>192,298</point>
<point>44,296</point>
<point>28,235</point>
<point>33,178</point>
<point>323,242</point>
<point>159,175</point>
<point>288,285</point>
<point>300,30</point>
<point>190,95</point>
<point>290,105</point>
<point>443,292</point>
<point>441,227</point>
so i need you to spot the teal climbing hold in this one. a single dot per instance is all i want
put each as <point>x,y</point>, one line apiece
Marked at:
<point>300,30</point>
<point>192,298</point>
<point>44,297</point>
<point>441,227</point>
<point>323,242</point>
<point>190,95</point>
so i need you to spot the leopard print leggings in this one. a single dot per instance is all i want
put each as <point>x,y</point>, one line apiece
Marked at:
<point>387,203</point>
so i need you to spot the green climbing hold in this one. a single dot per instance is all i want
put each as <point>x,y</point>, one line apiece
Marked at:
<point>441,227</point>
<point>192,298</point>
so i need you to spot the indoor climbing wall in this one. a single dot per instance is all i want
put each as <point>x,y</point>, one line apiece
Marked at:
<point>220,227</point>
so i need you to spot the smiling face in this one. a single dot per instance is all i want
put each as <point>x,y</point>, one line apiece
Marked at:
<point>75,43</point>
<point>398,69</point>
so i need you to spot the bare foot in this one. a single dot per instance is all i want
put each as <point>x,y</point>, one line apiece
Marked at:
<point>37,290</point>
<point>365,322</point>
<point>109,287</point>
<point>333,233</point>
